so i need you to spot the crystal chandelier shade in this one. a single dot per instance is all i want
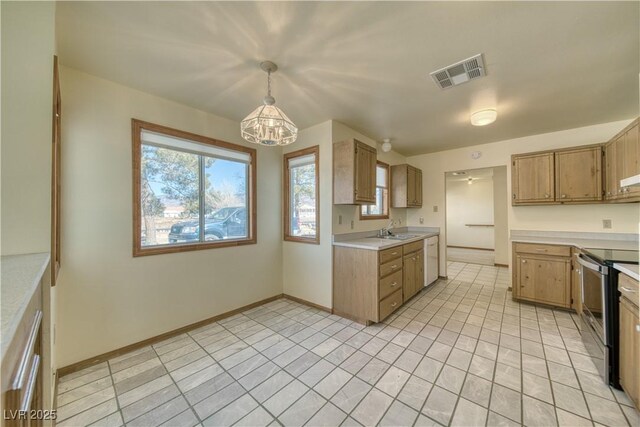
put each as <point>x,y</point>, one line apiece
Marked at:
<point>267,124</point>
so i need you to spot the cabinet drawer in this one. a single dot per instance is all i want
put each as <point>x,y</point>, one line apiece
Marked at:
<point>390,284</point>
<point>534,248</point>
<point>390,267</point>
<point>390,304</point>
<point>389,254</point>
<point>413,247</point>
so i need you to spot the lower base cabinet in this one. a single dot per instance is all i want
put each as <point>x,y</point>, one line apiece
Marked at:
<point>542,273</point>
<point>370,285</point>
<point>630,350</point>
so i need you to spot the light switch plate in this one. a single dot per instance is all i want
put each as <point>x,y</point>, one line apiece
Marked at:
<point>340,219</point>
<point>421,220</point>
<point>606,223</point>
<point>352,224</point>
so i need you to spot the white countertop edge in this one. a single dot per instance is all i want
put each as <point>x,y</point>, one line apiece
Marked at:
<point>375,244</point>
<point>580,243</point>
<point>630,270</point>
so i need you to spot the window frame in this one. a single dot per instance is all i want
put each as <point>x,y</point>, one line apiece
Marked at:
<point>137,126</point>
<point>286,199</point>
<point>385,196</point>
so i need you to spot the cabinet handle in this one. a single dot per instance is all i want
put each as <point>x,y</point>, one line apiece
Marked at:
<point>394,266</point>
<point>413,259</point>
<point>564,196</point>
<point>394,304</point>
<point>21,375</point>
<point>638,328</point>
<point>541,250</point>
<point>633,291</point>
<point>626,189</point>
<point>514,196</point>
<point>524,261</point>
<point>31,384</point>
<point>547,195</point>
<point>394,284</point>
<point>394,253</point>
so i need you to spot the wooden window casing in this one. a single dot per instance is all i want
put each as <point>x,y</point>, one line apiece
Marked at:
<point>286,199</point>
<point>137,127</point>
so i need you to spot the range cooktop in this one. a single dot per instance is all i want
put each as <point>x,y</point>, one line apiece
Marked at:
<point>610,256</point>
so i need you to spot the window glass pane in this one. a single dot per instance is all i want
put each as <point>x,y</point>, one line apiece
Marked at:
<point>302,186</point>
<point>381,176</point>
<point>169,199</point>
<point>381,184</point>
<point>225,189</point>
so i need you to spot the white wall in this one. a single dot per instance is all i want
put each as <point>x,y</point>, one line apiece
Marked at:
<point>350,213</point>
<point>500,214</point>
<point>107,298</point>
<point>470,204</point>
<point>586,218</point>
<point>307,267</point>
<point>28,46</point>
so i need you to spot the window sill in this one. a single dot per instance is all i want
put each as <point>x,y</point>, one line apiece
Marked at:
<point>308,240</point>
<point>368,217</point>
<point>159,250</point>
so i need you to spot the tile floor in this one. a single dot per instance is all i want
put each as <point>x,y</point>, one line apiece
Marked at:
<point>460,353</point>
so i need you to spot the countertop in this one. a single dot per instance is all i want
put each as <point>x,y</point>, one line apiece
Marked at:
<point>630,270</point>
<point>377,244</point>
<point>19,276</point>
<point>579,240</point>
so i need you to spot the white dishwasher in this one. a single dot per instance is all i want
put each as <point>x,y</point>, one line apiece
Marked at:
<point>430,260</point>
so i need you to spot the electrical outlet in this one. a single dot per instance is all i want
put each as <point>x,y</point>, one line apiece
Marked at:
<point>435,208</point>
<point>606,223</point>
<point>352,224</point>
<point>340,219</point>
<point>421,220</point>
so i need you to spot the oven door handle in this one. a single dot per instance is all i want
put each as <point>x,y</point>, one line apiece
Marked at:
<point>591,266</point>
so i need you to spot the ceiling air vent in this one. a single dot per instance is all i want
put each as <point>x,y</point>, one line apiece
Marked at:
<point>460,72</point>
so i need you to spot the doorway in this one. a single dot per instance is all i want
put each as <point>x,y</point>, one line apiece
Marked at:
<point>476,216</point>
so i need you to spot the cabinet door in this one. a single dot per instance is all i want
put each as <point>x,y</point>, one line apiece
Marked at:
<point>533,179</point>
<point>365,173</point>
<point>629,351</point>
<point>632,159</point>
<point>419,283</point>
<point>579,175</point>
<point>411,186</point>
<point>408,276</point>
<point>526,278</point>
<point>418,188</point>
<point>610,171</point>
<point>620,152</point>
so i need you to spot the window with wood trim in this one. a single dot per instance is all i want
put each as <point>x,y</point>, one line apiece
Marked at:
<point>381,209</point>
<point>302,195</point>
<point>190,192</point>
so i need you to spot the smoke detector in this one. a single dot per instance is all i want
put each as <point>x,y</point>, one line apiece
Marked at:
<point>460,72</point>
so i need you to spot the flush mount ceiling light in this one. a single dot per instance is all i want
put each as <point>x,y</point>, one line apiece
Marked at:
<point>267,124</point>
<point>484,117</point>
<point>386,145</point>
<point>459,173</point>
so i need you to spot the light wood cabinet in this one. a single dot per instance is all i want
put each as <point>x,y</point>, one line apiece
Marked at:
<point>532,179</point>
<point>369,285</point>
<point>542,273</point>
<point>354,173</point>
<point>406,186</point>
<point>630,350</point>
<point>578,174</point>
<point>622,158</point>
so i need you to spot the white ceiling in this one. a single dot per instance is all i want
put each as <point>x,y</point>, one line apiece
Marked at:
<point>550,66</point>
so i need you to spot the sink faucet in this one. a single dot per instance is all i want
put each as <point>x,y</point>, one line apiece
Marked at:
<point>386,231</point>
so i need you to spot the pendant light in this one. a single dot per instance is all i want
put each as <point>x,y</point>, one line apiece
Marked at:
<point>267,124</point>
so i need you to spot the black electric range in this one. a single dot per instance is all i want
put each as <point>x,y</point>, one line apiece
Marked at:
<point>600,299</point>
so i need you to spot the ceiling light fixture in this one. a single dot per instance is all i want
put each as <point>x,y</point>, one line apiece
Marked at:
<point>484,117</point>
<point>459,173</point>
<point>267,124</point>
<point>386,145</point>
<point>470,181</point>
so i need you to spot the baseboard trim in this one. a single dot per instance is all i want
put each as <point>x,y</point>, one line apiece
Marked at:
<point>307,303</point>
<point>74,367</point>
<point>500,265</point>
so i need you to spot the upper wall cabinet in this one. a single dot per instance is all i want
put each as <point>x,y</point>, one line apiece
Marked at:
<point>354,173</point>
<point>579,174</point>
<point>532,179</point>
<point>406,186</point>
<point>622,160</point>
<point>565,176</point>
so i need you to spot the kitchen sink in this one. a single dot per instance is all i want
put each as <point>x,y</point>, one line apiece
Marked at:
<point>397,237</point>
